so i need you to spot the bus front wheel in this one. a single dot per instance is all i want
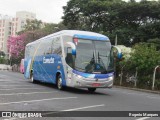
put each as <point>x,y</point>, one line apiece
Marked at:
<point>59,82</point>
<point>91,89</point>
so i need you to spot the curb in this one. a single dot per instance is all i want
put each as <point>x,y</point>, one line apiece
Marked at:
<point>137,89</point>
<point>5,69</point>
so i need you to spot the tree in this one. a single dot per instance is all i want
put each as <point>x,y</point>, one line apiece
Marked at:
<point>16,45</point>
<point>50,28</point>
<point>138,21</point>
<point>155,41</point>
<point>33,25</point>
<point>144,58</point>
<point>2,55</point>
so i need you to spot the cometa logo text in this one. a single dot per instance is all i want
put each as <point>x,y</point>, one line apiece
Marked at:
<point>48,60</point>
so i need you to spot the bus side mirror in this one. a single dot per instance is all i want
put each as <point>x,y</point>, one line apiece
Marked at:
<point>119,53</point>
<point>73,47</point>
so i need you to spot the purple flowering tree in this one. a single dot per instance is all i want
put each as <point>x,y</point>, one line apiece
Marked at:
<point>16,45</point>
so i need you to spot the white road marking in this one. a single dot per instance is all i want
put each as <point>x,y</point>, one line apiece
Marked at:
<point>3,75</point>
<point>21,88</point>
<point>153,97</point>
<point>132,93</point>
<point>74,109</point>
<point>86,107</point>
<point>31,101</point>
<point>26,93</point>
<point>143,118</point>
<point>11,119</point>
<point>5,80</point>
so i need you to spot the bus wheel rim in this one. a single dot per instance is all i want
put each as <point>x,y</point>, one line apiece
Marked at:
<point>32,79</point>
<point>60,83</point>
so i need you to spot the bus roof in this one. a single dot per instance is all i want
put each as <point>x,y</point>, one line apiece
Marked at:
<point>86,35</point>
<point>77,34</point>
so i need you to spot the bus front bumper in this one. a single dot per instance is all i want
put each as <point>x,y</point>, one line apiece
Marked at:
<point>81,82</point>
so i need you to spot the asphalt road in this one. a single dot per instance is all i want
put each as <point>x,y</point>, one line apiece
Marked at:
<point>18,94</point>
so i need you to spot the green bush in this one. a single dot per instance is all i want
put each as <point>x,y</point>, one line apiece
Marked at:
<point>144,82</point>
<point>2,60</point>
<point>157,84</point>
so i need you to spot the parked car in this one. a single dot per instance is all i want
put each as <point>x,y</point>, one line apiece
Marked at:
<point>22,66</point>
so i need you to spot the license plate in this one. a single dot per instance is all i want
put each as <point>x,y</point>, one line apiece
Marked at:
<point>95,84</point>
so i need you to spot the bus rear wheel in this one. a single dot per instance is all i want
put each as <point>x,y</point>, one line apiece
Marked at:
<point>91,89</point>
<point>59,82</point>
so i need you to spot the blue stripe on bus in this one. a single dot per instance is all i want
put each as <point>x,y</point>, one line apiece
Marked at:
<point>98,76</point>
<point>91,37</point>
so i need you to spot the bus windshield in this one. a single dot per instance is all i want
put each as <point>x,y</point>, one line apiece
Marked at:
<point>93,57</point>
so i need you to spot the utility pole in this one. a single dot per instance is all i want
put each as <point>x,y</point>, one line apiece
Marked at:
<point>135,82</point>
<point>116,40</point>
<point>121,75</point>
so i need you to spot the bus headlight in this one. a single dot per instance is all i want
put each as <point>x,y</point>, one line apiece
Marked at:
<point>111,78</point>
<point>79,76</point>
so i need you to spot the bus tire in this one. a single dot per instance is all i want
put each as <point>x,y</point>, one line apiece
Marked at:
<point>91,89</point>
<point>59,82</point>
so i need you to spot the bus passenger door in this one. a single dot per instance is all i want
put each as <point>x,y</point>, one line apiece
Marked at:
<point>70,59</point>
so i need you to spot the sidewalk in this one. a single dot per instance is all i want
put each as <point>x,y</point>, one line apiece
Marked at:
<point>5,67</point>
<point>138,89</point>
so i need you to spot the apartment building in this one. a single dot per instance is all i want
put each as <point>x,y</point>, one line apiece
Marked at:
<point>19,21</point>
<point>5,32</point>
<point>10,26</point>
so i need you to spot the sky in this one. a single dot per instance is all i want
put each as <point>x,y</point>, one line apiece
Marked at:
<point>49,11</point>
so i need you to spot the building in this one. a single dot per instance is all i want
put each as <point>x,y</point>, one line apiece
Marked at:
<point>5,32</point>
<point>19,21</point>
<point>10,26</point>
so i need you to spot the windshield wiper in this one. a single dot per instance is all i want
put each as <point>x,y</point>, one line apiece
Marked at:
<point>93,57</point>
<point>100,60</point>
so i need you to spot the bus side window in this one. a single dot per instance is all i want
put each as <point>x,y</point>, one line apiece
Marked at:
<point>39,49</point>
<point>52,46</point>
<point>56,46</point>
<point>49,50</point>
<point>47,46</point>
<point>59,51</point>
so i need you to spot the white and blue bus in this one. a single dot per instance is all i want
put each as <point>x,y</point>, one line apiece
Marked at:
<point>73,58</point>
